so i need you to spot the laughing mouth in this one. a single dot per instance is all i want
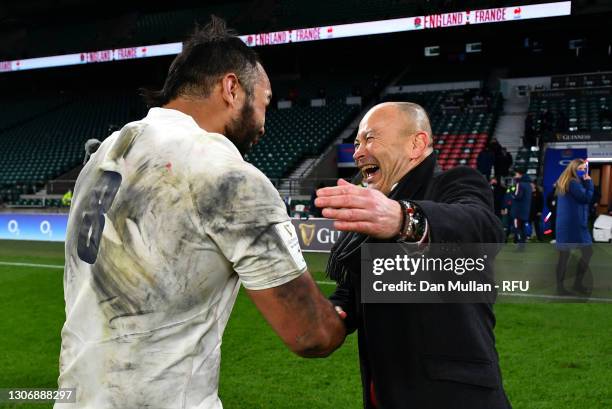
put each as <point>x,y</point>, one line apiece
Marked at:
<point>369,171</point>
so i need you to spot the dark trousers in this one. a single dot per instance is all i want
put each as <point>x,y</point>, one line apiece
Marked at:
<point>519,232</point>
<point>583,266</point>
<point>536,224</point>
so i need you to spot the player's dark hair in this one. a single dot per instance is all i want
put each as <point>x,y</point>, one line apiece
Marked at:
<point>209,53</point>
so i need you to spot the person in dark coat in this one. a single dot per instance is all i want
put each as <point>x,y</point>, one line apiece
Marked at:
<point>313,209</point>
<point>495,147</point>
<point>521,206</point>
<point>499,191</point>
<point>505,211</point>
<point>574,197</point>
<point>485,161</point>
<point>503,163</point>
<point>425,356</point>
<point>537,207</point>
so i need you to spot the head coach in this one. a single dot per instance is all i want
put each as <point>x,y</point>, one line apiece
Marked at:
<point>425,356</point>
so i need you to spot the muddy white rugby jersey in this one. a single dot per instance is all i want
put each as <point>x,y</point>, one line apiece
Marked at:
<point>166,221</point>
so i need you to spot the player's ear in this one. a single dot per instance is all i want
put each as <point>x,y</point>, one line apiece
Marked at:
<point>230,88</point>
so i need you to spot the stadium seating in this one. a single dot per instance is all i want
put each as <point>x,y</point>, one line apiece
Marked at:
<point>599,79</point>
<point>53,142</point>
<point>295,133</point>
<point>16,110</point>
<point>570,113</point>
<point>528,160</point>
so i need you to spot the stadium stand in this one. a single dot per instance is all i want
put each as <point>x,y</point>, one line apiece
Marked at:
<point>570,111</point>
<point>297,132</point>
<point>43,139</point>
<point>52,141</point>
<point>528,159</point>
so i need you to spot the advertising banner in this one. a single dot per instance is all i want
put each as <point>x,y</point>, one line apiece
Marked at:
<point>588,136</point>
<point>316,235</point>
<point>345,155</point>
<point>41,227</point>
<point>298,35</point>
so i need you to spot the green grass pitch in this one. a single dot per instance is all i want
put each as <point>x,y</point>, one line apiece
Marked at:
<point>556,356</point>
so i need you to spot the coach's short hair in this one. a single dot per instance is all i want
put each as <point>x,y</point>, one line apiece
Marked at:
<point>209,53</point>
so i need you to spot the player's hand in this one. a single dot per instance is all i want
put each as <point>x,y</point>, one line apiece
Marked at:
<point>587,177</point>
<point>360,210</point>
<point>341,312</point>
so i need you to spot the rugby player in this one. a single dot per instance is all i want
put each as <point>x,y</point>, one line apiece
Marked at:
<point>167,221</point>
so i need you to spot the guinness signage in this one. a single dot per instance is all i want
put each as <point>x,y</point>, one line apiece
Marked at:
<point>587,136</point>
<point>316,235</point>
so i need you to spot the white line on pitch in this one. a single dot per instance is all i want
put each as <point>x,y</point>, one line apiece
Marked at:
<point>326,282</point>
<point>6,263</point>
<point>557,297</point>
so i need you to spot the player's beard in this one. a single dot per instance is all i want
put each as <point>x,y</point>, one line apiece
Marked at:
<point>243,130</point>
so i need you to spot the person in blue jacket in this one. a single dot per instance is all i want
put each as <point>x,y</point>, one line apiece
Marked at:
<point>574,195</point>
<point>521,206</point>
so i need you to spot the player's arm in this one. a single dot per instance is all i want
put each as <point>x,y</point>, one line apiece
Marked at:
<point>247,220</point>
<point>304,319</point>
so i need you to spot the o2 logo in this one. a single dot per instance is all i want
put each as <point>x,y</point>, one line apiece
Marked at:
<point>13,227</point>
<point>44,228</point>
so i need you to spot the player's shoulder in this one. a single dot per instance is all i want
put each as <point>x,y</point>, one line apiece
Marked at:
<point>237,172</point>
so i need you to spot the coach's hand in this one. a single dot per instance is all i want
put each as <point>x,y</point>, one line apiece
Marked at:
<point>360,210</point>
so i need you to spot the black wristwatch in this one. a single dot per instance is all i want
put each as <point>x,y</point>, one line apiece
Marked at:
<point>414,223</point>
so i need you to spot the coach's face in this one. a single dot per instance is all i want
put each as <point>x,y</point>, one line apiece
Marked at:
<point>385,147</point>
<point>248,124</point>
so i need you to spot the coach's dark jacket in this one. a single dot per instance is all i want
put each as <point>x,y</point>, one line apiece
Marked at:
<point>427,356</point>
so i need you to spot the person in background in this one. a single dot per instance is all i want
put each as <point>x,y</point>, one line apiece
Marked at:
<point>91,147</point>
<point>503,163</point>
<point>67,198</point>
<point>496,147</point>
<point>521,206</point>
<point>287,202</point>
<point>313,209</point>
<point>485,161</point>
<point>574,196</point>
<point>499,191</point>
<point>537,207</point>
<point>505,211</point>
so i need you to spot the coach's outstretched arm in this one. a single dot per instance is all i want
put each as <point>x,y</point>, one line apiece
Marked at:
<point>304,319</point>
